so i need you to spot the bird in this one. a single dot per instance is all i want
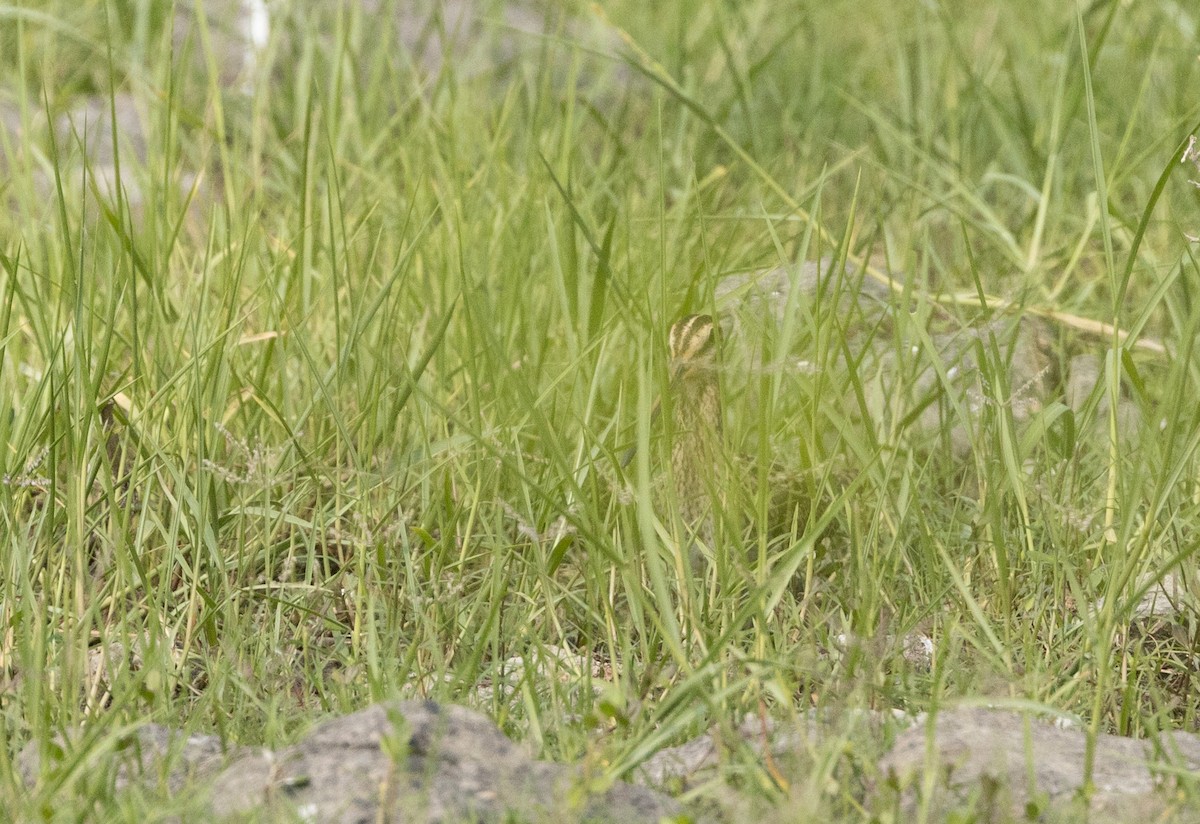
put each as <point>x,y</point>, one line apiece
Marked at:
<point>699,476</point>
<point>694,403</point>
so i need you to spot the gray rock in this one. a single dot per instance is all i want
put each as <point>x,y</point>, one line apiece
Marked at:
<point>401,761</point>
<point>918,385</point>
<point>479,37</point>
<point>10,132</point>
<point>774,293</point>
<point>91,133</point>
<point>698,759</point>
<point>1016,764</point>
<point>475,37</point>
<point>89,123</point>
<point>424,762</point>
<point>420,761</point>
<point>136,756</point>
<point>1170,597</point>
<point>236,31</point>
<point>106,131</point>
<point>1085,377</point>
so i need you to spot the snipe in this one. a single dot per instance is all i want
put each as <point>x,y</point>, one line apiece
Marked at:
<point>694,403</point>
<point>700,476</point>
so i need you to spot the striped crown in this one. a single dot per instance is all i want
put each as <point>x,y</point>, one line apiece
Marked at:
<point>693,341</point>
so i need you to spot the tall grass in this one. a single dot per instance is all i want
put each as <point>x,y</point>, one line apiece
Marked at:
<point>331,408</point>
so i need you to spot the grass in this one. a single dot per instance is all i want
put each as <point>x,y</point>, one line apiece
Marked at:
<point>341,418</point>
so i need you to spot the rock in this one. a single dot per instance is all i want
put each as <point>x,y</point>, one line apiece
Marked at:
<point>401,761</point>
<point>1023,765</point>
<point>421,761</point>
<point>424,762</point>
<point>89,123</point>
<point>139,755</point>
<point>10,132</point>
<point>236,32</point>
<point>771,293</point>
<point>89,133</point>
<point>698,759</point>
<point>1168,597</point>
<point>473,38</point>
<point>483,38</point>
<point>1085,374</point>
<point>918,385</point>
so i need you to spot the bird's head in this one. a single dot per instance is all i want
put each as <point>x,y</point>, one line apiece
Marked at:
<point>693,344</point>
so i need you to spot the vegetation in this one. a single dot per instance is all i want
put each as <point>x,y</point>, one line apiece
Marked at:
<point>328,404</point>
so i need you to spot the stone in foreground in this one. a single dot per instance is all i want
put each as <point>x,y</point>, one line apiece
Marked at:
<point>1011,765</point>
<point>421,761</point>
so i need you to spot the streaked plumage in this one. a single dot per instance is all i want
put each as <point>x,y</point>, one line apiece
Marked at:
<point>695,406</point>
